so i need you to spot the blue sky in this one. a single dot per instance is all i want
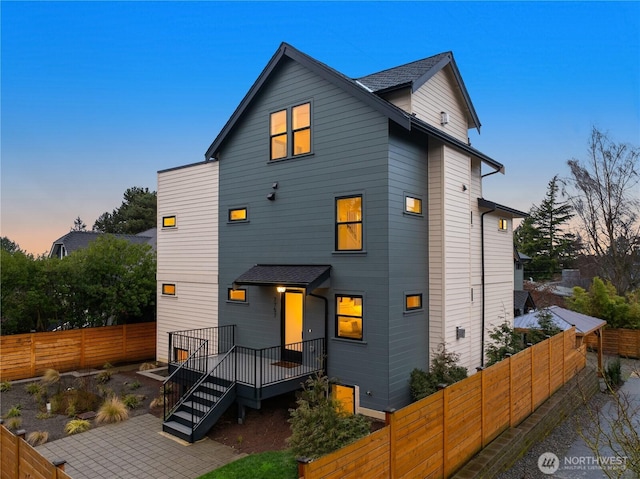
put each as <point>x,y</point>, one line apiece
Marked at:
<point>99,96</point>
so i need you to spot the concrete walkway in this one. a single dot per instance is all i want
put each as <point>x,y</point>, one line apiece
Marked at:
<point>136,448</point>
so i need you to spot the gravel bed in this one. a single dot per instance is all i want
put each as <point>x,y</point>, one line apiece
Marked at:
<point>566,433</point>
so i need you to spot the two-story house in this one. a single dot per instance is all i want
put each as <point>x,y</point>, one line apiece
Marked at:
<point>336,223</point>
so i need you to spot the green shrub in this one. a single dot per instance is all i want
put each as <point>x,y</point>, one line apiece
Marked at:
<point>444,370</point>
<point>319,425</point>
<point>613,373</point>
<point>14,411</point>
<point>35,389</point>
<point>5,386</point>
<point>147,366</point>
<point>504,341</point>
<point>132,401</point>
<point>134,385</point>
<point>104,377</point>
<point>50,376</point>
<point>76,426</point>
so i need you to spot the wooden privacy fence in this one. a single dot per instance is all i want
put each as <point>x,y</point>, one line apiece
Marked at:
<point>437,435</point>
<point>19,460</point>
<point>29,355</point>
<point>617,342</point>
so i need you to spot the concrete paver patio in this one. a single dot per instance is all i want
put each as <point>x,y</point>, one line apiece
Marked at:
<point>136,448</point>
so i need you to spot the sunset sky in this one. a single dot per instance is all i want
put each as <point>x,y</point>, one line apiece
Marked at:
<point>99,96</point>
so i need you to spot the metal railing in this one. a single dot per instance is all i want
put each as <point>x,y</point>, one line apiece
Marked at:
<point>219,340</point>
<point>183,378</point>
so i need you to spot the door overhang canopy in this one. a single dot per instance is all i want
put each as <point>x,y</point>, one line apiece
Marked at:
<point>308,277</point>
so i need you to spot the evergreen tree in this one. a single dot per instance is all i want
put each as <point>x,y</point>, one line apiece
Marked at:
<point>136,214</point>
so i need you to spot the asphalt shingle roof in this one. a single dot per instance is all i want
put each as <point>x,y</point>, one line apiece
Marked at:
<point>401,75</point>
<point>305,276</point>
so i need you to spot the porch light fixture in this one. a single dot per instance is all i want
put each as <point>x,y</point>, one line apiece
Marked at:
<point>271,196</point>
<point>460,333</point>
<point>444,118</point>
<point>281,289</point>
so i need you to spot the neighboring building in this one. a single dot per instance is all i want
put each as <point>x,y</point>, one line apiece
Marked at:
<point>75,240</point>
<point>346,213</point>
<point>522,300</point>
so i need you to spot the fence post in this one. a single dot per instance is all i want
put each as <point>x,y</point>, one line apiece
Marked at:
<point>389,420</point>
<point>302,466</point>
<point>59,465</point>
<point>445,414</point>
<point>480,370</point>
<point>124,342</point>
<point>33,354</point>
<point>508,358</point>
<point>531,375</point>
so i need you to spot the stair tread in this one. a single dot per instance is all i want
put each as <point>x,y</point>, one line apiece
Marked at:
<point>214,386</point>
<point>187,415</point>
<point>176,426</point>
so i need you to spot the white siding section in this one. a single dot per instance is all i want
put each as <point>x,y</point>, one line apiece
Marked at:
<point>188,254</point>
<point>400,98</point>
<point>451,255</point>
<point>440,93</point>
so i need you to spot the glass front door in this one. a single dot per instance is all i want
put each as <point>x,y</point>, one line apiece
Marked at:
<point>292,318</point>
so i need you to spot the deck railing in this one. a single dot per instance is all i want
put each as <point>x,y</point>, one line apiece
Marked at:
<point>182,343</point>
<point>182,379</point>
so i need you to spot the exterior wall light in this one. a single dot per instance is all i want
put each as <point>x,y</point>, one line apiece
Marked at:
<point>281,289</point>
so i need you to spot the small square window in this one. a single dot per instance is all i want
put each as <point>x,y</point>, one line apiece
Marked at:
<point>169,289</point>
<point>503,225</point>
<point>412,205</point>
<point>238,214</point>
<point>237,295</point>
<point>180,355</point>
<point>413,302</point>
<point>169,221</point>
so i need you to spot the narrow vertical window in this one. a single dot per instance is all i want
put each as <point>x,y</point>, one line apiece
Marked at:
<point>301,117</point>
<point>349,317</point>
<point>278,131</point>
<point>503,225</point>
<point>349,223</point>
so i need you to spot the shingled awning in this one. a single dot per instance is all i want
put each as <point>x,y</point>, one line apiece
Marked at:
<point>308,277</point>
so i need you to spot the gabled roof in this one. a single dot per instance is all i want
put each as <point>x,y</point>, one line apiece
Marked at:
<point>358,90</point>
<point>75,240</point>
<point>416,74</point>
<point>523,301</point>
<point>563,318</point>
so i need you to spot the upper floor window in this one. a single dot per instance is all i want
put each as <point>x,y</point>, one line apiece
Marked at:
<point>349,223</point>
<point>238,214</point>
<point>290,131</point>
<point>503,225</point>
<point>168,289</point>
<point>349,317</point>
<point>412,205</point>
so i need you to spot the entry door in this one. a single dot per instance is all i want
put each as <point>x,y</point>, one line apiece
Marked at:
<point>292,318</point>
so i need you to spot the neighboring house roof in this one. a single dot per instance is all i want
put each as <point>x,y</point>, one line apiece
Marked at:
<point>522,301</point>
<point>563,318</point>
<point>358,90</point>
<point>309,277</point>
<point>416,74</point>
<point>75,240</point>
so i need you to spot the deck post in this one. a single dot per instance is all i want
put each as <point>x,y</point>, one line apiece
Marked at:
<point>242,412</point>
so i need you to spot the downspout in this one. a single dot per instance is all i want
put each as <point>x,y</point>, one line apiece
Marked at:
<point>326,326</point>
<point>483,277</point>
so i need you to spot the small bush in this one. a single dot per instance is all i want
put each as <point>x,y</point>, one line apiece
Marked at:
<point>50,376</point>
<point>5,386</point>
<point>35,389</point>
<point>157,402</point>
<point>134,385</point>
<point>147,366</point>
<point>14,411</point>
<point>14,423</point>
<point>319,425</point>
<point>112,410</point>
<point>104,377</point>
<point>76,426</point>
<point>132,401</point>
<point>613,373</point>
<point>444,370</point>
<point>44,415</point>
<point>71,410</point>
<point>37,438</point>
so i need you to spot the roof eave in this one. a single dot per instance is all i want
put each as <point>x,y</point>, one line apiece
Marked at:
<point>493,206</point>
